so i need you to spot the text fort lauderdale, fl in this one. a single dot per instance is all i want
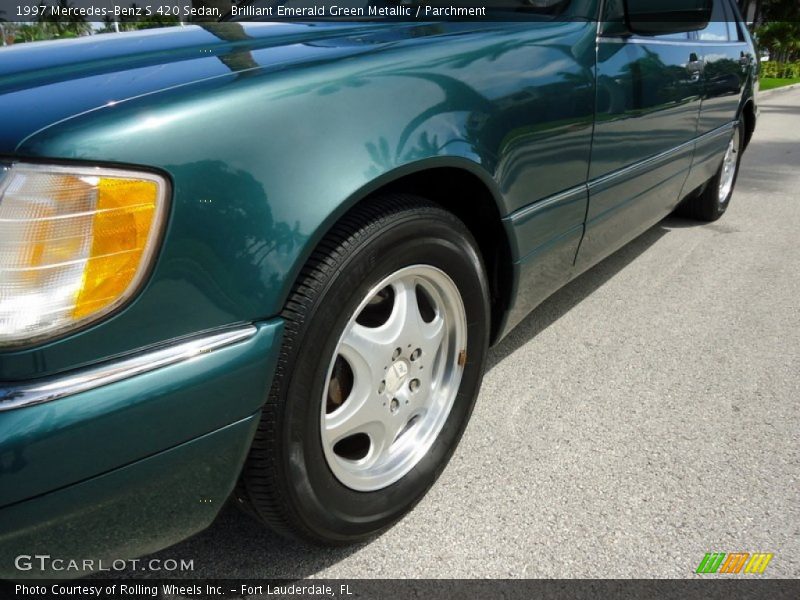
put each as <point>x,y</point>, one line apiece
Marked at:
<point>345,11</point>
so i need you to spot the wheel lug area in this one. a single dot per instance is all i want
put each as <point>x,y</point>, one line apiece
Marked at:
<point>413,385</point>
<point>382,387</point>
<point>416,354</point>
<point>394,406</point>
<point>396,353</point>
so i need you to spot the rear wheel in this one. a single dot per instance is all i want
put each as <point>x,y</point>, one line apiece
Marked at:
<point>714,200</point>
<point>385,338</point>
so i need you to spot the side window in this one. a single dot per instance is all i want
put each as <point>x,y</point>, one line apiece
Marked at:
<point>717,30</point>
<point>681,37</point>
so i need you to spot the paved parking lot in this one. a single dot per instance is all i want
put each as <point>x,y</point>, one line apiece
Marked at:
<point>643,416</point>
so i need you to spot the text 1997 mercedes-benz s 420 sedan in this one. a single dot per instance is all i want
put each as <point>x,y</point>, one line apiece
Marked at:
<point>265,261</point>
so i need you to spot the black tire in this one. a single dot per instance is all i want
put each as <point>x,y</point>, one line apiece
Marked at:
<point>707,205</point>
<point>286,482</point>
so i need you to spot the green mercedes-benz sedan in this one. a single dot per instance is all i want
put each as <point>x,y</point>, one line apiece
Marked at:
<point>263,262</point>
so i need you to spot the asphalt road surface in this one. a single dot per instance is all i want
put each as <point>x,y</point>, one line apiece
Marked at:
<point>644,415</point>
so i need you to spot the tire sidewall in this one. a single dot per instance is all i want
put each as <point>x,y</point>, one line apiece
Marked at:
<point>329,509</point>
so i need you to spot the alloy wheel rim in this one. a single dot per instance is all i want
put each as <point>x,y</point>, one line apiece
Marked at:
<point>729,165</point>
<point>393,378</point>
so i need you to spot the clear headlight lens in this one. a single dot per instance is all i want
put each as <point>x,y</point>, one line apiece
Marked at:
<point>75,243</point>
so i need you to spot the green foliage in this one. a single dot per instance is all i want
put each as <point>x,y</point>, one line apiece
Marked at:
<point>768,83</point>
<point>56,26</point>
<point>777,70</point>
<point>32,32</point>
<point>780,29</point>
<point>782,38</point>
<point>49,27</point>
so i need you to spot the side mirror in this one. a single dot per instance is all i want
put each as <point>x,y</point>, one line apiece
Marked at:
<point>657,17</point>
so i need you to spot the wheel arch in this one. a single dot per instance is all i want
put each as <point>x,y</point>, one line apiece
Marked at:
<point>447,182</point>
<point>748,111</point>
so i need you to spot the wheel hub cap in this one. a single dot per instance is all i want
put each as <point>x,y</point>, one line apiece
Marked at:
<point>396,376</point>
<point>393,378</point>
<point>729,166</point>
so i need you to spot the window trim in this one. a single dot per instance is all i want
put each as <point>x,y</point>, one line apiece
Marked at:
<point>731,16</point>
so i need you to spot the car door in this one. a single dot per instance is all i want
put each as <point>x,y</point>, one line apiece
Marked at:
<point>728,59</point>
<point>648,102</point>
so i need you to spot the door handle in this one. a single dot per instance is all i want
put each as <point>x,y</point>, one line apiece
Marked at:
<point>744,59</point>
<point>695,66</point>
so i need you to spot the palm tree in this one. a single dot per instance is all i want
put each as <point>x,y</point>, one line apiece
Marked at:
<point>109,25</point>
<point>128,22</point>
<point>60,26</point>
<point>782,38</point>
<point>33,32</point>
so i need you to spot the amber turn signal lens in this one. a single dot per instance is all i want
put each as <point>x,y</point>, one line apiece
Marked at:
<point>75,243</point>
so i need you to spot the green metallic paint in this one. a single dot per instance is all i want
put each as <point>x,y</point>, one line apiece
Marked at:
<point>547,236</point>
<point>55,444</point>
<point>268,134</point>
<point>264,158</point>
<point>708,153</point>
<point>131,511</point>
<point>648,106</point>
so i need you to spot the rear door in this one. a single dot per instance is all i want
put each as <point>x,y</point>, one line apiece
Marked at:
<point>727,58</point>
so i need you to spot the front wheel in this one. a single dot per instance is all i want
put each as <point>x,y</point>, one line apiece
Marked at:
<point>385,338</point>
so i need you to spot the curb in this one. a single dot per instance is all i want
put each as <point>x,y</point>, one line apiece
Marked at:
<point>786,88</point>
